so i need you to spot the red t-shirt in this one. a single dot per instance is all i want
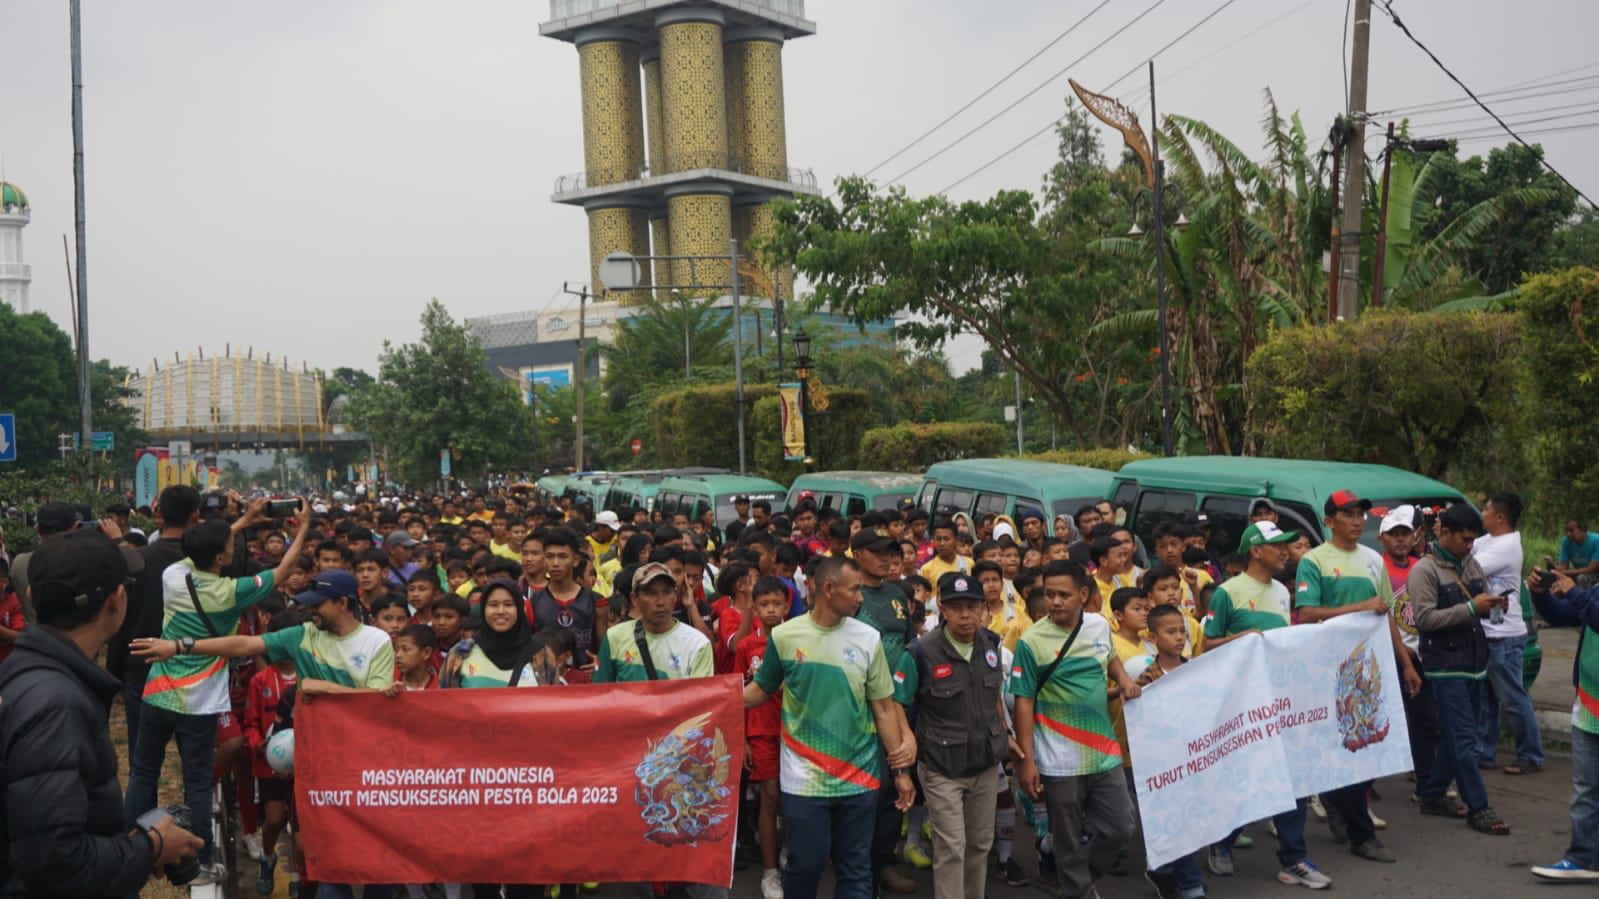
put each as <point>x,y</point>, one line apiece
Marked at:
<point>11,617</point>
<point>260,713</point>
<point>766,719</point>
<point>728,619</point>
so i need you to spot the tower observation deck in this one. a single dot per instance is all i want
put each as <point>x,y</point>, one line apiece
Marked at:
<point>684,138</point>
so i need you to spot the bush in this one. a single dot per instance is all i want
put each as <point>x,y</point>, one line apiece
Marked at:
<point>835,435</point>
<point>696,425</point>
<point>1108,458</point>
<point>912,448</point>
<point>1559,317</point>
<point>1434,394</point>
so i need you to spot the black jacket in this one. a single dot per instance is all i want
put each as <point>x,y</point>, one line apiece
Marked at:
<point>61,815</point>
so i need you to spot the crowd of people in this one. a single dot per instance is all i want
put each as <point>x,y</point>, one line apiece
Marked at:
<point>914,683</point>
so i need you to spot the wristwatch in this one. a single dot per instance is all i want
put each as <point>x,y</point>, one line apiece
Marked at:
<point>185,645</point>
<point>904,771</point>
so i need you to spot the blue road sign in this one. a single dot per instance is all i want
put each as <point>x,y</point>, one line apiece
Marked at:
<point>8,437</point>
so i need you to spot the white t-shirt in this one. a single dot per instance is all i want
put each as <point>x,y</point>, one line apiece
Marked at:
<point>1500,558</point>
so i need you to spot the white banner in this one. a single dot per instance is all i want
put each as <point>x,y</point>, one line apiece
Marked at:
<point>1239,734</point>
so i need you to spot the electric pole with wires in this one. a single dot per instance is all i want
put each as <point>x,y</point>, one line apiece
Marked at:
<point>1346,262</point>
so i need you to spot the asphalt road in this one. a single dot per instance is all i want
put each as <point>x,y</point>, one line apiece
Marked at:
<point>1437,857</point>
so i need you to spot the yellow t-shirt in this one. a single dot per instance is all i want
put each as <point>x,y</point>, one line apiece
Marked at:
<point>936,568</point>
<point>1126,651</point>
<point>1111,585</point>
<point>1009,622</point>
<point>504,551</point>
<point>1190,602</point>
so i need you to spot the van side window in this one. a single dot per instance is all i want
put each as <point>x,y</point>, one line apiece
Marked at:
<point>855,506</point>
<point>1126,495</point>
<point>924,497</point>
<point>949,500</point>
<point>1024,507</point>
<point>993,502</point>
<point>1299,517</point>
<point>1158,506</point>
<point>1229,515</point>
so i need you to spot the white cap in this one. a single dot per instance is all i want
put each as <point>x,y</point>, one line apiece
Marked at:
<point>608,519</point>
<point>1003,529</point>
<point>1398,517</point>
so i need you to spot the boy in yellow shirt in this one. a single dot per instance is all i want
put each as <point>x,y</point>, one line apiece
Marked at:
<point>1165,587</point>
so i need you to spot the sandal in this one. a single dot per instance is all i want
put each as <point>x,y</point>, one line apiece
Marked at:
<point>1485,821</point>
<point>1442,807</point>
<point>1522,766</point>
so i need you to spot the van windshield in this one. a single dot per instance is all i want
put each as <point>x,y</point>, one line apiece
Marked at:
<point>1380,507</point>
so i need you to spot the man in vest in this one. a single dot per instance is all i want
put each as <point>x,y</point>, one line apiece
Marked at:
<point>954,676</point>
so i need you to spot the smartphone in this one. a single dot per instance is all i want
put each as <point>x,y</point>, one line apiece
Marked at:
<point>1544,579</point>
<point>282,508</point>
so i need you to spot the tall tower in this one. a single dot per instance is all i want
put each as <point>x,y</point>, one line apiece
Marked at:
<point>695,156</point>
<point>15,275</point>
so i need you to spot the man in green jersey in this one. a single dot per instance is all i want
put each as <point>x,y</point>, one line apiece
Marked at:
<point>1250,603</point>
<point>1063,666</point>
<point>183,697</point>
<point>1343,577</point>
<point>838,702</point>
<point>655,646</point>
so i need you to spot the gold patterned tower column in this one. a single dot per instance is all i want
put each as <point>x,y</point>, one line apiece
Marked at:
<point>660,244</point>
<point>757,139</point>
<point>613,111</point>
<point>693,89</point>
<point>699,218</point>
<point>618,225</point>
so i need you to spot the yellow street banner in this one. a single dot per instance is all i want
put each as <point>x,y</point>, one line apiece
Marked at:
<point>793,423</point>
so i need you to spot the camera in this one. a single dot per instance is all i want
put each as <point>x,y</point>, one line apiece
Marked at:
<point>1543,579</point>
<point>188,869</point>
<point>282,508</point>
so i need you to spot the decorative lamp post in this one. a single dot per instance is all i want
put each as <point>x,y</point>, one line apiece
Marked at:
<point>802,371</point>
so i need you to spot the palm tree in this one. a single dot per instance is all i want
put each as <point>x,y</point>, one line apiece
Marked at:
<point>665,341</point>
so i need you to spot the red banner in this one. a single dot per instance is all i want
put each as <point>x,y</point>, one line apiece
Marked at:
<point>615,783</point>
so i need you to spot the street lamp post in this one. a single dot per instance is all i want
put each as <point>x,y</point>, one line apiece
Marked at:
<point>621,271</point>
<point>802,371</point>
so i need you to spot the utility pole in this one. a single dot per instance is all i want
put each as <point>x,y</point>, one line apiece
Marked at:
<point>1347,267</point>
<point>1019,449</point>
<point>86,417</point>
<point>583,296</point>
<point>1159,214</point>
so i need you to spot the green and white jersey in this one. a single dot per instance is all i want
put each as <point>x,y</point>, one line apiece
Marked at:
<point>198,685</point>
<point>1243,603</point>
<point>1331,577</point>
<point>364,658</point>
<point>680,652</point>
<point>1073,733</point>
<point>478,670</point>
<point>829,678</point>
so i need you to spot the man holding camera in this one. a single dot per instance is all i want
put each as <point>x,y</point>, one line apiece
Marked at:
<point>184,695</point>
<point>61,812</point>
<point>1562,603</point>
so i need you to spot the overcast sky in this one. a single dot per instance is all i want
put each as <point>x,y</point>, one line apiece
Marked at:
<point>302,176</point>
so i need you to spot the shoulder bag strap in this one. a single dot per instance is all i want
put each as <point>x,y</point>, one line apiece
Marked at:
<point>643,642</point>
<point>194,596</point>
<point>1043,676</point>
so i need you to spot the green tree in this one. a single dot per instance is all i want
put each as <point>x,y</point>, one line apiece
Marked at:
<point>38,379</point>
<point>438,393</point>
<point>650,345</point>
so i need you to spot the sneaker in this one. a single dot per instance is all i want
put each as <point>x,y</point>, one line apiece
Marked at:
<point>1376,822</point>
<point>591,886</point>
<point>771,885</point>
<point>1566,870</point>
<point>1373,851</point>
<point>1012,872</point>
<point>1244,841</point>
<point>264,879</point>
<point>1317,808</point>
<point>1220,860</point>
<point>210,874</point>
<point>252,845</point>
<point>1304,874</point>
<point>1046,862</point>
<point>894,880</point>
<point>917,856</point>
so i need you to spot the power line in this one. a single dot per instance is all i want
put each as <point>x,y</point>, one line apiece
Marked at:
<point>1047,128</point>
<point>1477,119</point>
<point>1388,7</point>
<point>1558,129</point>
<point>989,90</point>
<point>1491,129</point>
<point>1018,101</point>
<point>1211,54</point>
<point>1534,92</point>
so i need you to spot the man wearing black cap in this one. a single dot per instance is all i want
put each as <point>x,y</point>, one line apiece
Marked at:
<point>61,814</point>
<point>399,545</point>
<point>953,677</point>
<point>50,520</point>
<point>1344,577</point>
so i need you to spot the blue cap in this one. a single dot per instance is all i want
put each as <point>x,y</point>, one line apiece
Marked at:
<point>335,584</point>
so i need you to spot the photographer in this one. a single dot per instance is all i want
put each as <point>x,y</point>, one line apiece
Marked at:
<point>61,815</point>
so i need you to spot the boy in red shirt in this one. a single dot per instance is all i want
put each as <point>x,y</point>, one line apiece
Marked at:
<point>763,723</point>
<point>734,583</point>
<point>413,658</point>
<point>260,715</point>
<point>11,620</point>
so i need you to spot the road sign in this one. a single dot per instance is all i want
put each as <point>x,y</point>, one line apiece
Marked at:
<point>102,441</point>
<point>8,437</point>
<point>637,446</point>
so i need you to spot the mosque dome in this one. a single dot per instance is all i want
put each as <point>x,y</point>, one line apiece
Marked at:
<point>12,195</point>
